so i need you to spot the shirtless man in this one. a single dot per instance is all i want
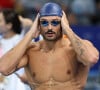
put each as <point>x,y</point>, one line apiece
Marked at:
<point>55,63</point>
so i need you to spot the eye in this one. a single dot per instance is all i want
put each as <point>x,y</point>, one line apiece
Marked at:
<point>55,22</point>
<point>44,23</point>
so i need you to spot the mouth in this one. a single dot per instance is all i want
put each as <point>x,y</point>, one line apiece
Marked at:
<point>50,34</point>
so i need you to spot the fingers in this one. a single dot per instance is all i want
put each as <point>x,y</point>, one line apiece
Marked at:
<point>37,17</point>
<point>64,18</point>
<point>63,13</point>
<point>35,27</point>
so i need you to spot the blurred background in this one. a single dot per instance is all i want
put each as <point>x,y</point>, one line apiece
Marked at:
<point>84,19</point>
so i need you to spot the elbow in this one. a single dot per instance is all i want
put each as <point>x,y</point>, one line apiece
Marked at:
<point>94,59</point>
<point>4,71</point>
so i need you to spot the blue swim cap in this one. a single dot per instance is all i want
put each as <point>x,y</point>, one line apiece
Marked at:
<point>51,9</point>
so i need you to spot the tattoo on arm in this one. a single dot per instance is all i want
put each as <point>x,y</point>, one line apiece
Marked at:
<point>79,45</point>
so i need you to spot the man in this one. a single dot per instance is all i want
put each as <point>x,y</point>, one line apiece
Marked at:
<point>55,63</point>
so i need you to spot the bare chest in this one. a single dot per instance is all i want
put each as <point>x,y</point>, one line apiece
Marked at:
<point>59,65</point>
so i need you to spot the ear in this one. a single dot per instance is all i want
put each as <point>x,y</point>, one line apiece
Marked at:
<point>9,26</point>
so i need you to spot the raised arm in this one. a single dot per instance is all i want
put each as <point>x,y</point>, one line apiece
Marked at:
<point>11,60</point>
<point>26,22</point>
<point>86,52</point>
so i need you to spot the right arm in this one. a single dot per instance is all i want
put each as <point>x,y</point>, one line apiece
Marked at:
<point>11,59</point>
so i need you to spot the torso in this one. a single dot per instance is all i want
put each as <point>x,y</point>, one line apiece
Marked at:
<point>56,70</point>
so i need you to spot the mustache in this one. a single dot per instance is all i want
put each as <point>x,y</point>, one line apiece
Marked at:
<point>50,31</point>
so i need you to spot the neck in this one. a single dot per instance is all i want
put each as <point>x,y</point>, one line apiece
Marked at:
<point>52,45</point>
<point>8,34</point>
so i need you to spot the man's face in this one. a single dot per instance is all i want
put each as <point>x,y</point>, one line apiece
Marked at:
<point>50,27</point>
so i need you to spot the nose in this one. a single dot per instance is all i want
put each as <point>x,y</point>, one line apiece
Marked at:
<point>49,26</point>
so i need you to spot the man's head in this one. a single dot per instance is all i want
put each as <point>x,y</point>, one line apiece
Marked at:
<point>9,21</point>
<point>50,21</point>
<point>51,9</point>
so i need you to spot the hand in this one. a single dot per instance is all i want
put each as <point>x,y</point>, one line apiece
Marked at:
<point>64,22</point>
<point>35,27</point>
<point>64,19</point>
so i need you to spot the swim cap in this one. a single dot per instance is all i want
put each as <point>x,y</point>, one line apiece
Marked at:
<point>51,9</point>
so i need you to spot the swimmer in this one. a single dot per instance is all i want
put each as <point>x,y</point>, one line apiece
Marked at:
<point>54,63</point>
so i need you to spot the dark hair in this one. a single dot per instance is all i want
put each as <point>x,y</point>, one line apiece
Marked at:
<point>11,16</point>
<point>97,1</point>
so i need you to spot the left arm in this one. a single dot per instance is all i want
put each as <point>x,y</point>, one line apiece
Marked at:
<point>26,22</point>
<point>86,52</point>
